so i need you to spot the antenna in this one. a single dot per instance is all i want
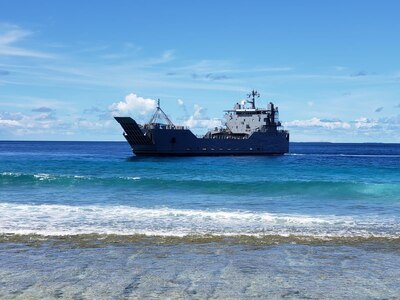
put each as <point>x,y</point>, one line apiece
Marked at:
<point>252,96</point>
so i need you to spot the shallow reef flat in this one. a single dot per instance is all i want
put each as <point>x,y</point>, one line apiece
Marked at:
<point>147,268</point>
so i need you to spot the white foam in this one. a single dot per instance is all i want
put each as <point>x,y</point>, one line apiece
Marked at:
<point>11,174</point>
<point>127,220</point>
<point>43,176</point>
<point>131,178</point>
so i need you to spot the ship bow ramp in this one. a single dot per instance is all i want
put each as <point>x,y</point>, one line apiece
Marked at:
<point>132,132</point>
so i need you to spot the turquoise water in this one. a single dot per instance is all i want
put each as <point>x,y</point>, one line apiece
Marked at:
<point>327,214</point>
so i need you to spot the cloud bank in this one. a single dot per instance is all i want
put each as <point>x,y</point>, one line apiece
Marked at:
<point>316,122</point>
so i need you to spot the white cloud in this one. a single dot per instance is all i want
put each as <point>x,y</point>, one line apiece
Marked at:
<point>133,104</point>
<point>393,120</point>
<point>168,55</point>
<point>44,125</point>
<point>198,111</point>
<point>12,119</point>
<point>183,106</point>
<point>10,35</point>
<point>206,124</point>
<point>362,129</point>
<point>364,122</point>
<point>316,122</point>
<point>199,119</point>
<point>12,123</point>
<point>83,123</point>
<point>33,121</point>
<point>340,68</point>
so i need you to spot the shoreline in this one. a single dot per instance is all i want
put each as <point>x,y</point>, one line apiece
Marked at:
<point>99,240</point>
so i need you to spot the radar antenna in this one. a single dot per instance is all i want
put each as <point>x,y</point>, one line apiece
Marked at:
<point>160,117</point>
<point>252,98</point>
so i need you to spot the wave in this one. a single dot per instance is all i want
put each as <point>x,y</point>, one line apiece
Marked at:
<point>23,178</point>
<point>67,220</point>
<point>315,188</point>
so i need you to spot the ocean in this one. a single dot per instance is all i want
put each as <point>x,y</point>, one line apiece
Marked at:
<point>88,220</point>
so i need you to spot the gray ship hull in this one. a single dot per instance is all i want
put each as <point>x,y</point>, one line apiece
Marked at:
<point>163,141</point>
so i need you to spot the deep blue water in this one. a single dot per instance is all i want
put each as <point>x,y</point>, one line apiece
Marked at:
<point>87,220</point>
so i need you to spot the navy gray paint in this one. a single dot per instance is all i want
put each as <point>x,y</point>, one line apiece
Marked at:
<point>247,131</point>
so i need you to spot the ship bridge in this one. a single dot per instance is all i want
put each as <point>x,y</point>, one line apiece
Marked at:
<point>244,121</point>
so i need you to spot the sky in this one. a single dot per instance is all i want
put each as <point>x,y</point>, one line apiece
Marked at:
<point>68,67</point>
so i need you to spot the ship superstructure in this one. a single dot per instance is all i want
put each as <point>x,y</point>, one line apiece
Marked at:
<point>247,131</point>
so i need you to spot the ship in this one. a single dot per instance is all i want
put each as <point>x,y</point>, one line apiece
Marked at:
<point>247,131</point>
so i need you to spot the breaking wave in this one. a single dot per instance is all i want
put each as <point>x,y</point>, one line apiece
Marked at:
<point>63,220</point>
<point>316,188</point>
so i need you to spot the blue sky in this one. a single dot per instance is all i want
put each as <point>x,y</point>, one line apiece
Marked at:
<point>66,67</point>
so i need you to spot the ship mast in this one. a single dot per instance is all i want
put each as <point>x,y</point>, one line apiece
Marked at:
<point>252,98</point>
<point>160,116</point>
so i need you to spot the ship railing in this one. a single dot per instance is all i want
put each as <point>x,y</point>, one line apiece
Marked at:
<point>163,126</point>
<point>221,137</point>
